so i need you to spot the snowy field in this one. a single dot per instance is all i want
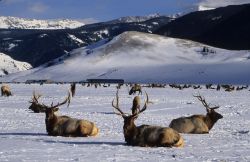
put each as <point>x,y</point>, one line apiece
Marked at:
<point>23,135</point>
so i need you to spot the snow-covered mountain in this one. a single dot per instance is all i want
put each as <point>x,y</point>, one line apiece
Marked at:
<point>130,19</point>
<point>22,23</point>
<point>40,46</point>
<point>140,57</point>
<point>8,65</point>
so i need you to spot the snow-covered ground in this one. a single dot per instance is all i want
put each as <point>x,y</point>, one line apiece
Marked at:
<point>144,58</point>
<point>23,136</point>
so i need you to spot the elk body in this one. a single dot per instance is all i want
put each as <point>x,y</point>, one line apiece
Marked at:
<point>67,126</point>
<point>146,135</point>
<point>5,90</point>
<point>135,88</point>
<point>197,124</point>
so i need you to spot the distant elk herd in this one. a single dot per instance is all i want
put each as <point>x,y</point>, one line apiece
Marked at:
<point>143,135</point>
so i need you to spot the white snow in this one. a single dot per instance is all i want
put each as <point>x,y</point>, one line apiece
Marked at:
<point>11,46</point>
<point>22,23</point>
<point>9,65</point>
<point>129,19</point>
<point>23,135</point>
<point>204,8</point>
<point>140,57</point>
<point>74,38</point>
<point>43,35</point>
<point>212,4</point>
<point>101,32</point>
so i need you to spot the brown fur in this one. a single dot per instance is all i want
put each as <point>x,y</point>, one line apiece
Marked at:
<point>135,88</point>
<point>35,106</point>
<point>5,90</point>
<point>73,89</point>
<point>146,135</point>
<point>67,126</point>
<point>136,104</point>
<point>196,124</point>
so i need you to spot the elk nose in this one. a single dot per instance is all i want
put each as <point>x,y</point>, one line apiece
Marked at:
<point>220,116</point>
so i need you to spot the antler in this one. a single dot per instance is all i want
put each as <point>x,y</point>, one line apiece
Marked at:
<point>144,107</point>
<point>116,107</point>
<point>67,99</point>
<point>120,112</point>
<point>35,97</point>
<point>203,101</point>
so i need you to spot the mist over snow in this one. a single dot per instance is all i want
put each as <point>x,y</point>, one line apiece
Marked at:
<point>147,58</point>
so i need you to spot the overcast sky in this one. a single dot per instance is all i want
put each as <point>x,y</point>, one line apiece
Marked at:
<point>101,10</point>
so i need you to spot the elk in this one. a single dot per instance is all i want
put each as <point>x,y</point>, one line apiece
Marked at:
<point>136,104</point>
<point>135,88</point>
<point>67,126</point>
<point>196,86</point>
<point>176,86</point>
<point>197,124</point>
<point>218,87</point>
<point>35,106</point>
<point>5,90</point>
<point>241,88</point>
<point>73,89</point>
<point>145,135</point>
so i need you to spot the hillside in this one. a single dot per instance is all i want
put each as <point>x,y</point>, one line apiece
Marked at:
<point>225,27</point>
<point>147,58</point>
<point>8,65</point>
<point>40,46</point>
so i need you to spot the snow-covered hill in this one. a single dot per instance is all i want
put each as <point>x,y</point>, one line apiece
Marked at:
<point>8,65</point>
<point>21,23</point>
<point>140,57</point>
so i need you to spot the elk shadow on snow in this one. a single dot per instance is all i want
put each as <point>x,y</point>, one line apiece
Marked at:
<point>23,134</point>
<point>61,141</point>
<point>86,142</point>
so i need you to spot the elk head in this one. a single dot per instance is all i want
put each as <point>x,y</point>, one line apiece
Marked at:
<point>35,105</point>
<point>211,113</point>
<point>129,127</point>
<point>49,111</point>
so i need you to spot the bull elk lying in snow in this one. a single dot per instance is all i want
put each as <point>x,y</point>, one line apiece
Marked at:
<point>197,124</point>
<point>146,135</point>
<point>67,126</point>
<point>5,90</point>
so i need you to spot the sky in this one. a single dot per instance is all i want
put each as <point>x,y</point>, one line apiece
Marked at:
<point>101,10</point>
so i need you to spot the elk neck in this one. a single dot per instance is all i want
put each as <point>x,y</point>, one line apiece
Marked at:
<point>50,123</point>
<point>130,131</point>
<point>210,121</point>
